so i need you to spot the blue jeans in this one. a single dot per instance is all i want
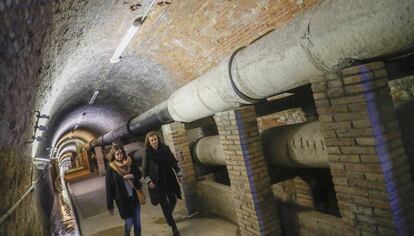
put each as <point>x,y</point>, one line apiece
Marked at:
<point>134,220</point>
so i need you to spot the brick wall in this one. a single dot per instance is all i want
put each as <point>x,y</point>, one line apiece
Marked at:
<point>195,35</point>
<point>175,137</point>
<point>250,182</point>
<point>366,156</point>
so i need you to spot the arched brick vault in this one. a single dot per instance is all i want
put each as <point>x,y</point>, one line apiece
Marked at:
<point>54,53</point>
<point>177,43</point>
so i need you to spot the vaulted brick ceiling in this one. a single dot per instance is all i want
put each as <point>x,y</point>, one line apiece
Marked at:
<point>177,43</point>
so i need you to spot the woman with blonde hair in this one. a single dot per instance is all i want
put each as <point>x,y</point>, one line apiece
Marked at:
<point>122,181</point>
<point>158,168</point>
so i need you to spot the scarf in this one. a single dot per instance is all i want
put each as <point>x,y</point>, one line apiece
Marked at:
<point>122,167</point>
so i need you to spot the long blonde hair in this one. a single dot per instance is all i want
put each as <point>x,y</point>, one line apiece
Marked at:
<point>150,134</point>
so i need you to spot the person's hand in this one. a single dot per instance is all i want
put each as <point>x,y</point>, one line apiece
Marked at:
<point>129,176</point>
<point>111,211</point>
<point>151,185</point>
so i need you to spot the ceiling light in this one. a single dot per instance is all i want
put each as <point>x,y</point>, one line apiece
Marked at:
<point>95,94</point>
<point>129,35</point>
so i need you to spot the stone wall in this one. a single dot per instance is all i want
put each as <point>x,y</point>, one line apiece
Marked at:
<point>23,28</point>
<point>402,90</point>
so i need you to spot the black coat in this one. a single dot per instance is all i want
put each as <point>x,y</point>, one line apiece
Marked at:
<point>158,166</point>
<point>116,190</point>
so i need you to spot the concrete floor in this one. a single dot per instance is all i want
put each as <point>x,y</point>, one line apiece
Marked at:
<point>90,203</point>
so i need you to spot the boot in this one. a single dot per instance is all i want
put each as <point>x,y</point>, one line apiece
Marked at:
<point>175,230</point>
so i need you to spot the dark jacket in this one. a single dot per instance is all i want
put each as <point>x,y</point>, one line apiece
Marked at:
<point>158,166</point>
<point>116,190</point>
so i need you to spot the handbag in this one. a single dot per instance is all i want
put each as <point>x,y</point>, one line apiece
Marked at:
<point>141,196</point>
<point>140,193</point>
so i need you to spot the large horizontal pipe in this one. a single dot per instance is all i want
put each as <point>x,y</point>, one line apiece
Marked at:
<point>318,41</point>
<point>325,38</point>
<point>137,125</point>
<point>298,145</point>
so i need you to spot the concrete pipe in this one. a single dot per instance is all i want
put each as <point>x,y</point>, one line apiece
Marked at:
<point>298,145</point>
<point>320,40</point>
<point>325,38</point>
<point>209,152</point>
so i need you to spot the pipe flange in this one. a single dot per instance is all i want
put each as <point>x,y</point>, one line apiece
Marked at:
<point>239,93</point>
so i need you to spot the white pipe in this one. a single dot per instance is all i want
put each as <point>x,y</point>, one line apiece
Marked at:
<point>295,146</point>
<point>308,46</point>
<point>128,37</point>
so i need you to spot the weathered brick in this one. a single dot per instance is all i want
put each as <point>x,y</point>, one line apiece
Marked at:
<point>354,132</point>
<point>336,125</point>
<point>358,150</point>
<point>339,141</point>
<point>333,150</point>
<point>365,141</point>
<point>350,116</point>
<point>319,95</point>
<point>365,86</point>
<point>250,179</point>
<point>337,83</point>
<point>366,167</point>
<point>335,92</point>
<point>348,100</point>
<point>322,103</point>
<point>333,109</point>
<point>325,118</point>
<point>357,69</point>
<point>358,107</point>
<point>364,123</point>
<point>369,158</point>
<point>319,87</point>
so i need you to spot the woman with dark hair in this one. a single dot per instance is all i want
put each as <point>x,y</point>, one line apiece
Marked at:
<point>158,168</point>
<point>122,181</point>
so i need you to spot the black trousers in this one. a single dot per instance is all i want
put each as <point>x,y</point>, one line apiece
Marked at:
<point>168,202</point>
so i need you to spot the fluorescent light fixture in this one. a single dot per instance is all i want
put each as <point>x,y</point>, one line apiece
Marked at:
<point>124,43</point>
<point>95,94</point>
<point>129,35</point>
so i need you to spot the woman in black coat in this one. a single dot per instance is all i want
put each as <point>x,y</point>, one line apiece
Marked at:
<point>122,178</point>
<point>158,168</point>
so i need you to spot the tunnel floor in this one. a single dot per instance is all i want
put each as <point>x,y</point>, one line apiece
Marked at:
<point>90,204</point>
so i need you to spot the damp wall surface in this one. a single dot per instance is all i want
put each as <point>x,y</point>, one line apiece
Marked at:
<point>23,27</point>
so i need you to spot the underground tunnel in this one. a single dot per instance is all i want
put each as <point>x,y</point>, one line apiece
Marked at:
<point>290,117</point>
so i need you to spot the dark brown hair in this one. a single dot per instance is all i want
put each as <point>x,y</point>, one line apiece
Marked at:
<point>115,147</point>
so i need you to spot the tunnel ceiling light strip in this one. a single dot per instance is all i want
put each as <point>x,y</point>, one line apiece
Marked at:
<point>129,35</point>
<point>95,94</point>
